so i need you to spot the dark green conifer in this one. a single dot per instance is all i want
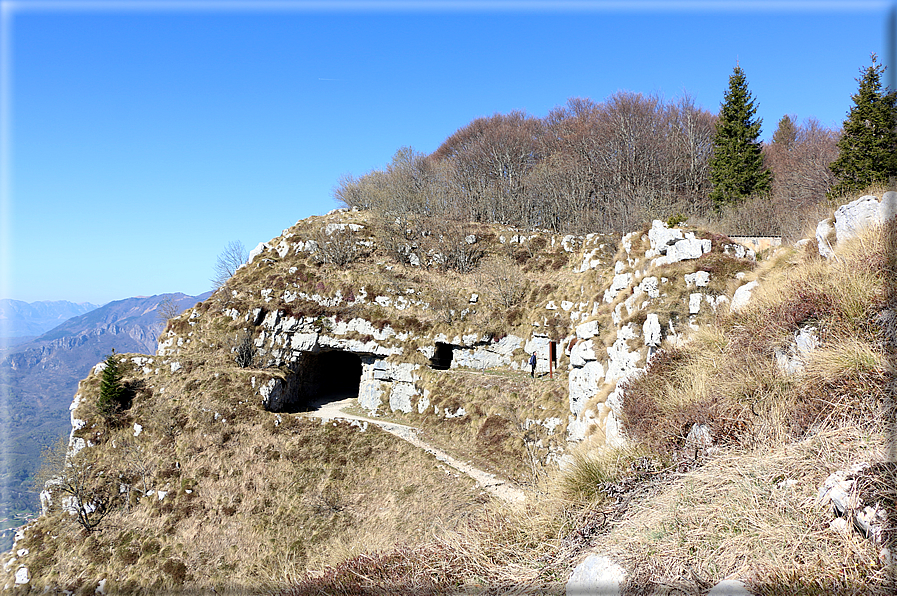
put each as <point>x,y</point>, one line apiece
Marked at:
<point>736,166</point>
<point>785,134</point>
<point>111,388</point>
<point>869,140</point>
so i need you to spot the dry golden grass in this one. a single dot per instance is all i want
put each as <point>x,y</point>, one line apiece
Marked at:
<point>252,499</point>
<point>494,434</point>
<point>752,515</point>
<point>588,477</point>
<point>727,376</point>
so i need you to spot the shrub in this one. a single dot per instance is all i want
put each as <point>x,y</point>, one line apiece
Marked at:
<point>338,248</point>
<point>244,351</point>
<point>677,219</point>
<point>503,280</point>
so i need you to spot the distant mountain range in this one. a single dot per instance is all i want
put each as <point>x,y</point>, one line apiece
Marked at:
<point>20,320</point>
<point>38,377</point>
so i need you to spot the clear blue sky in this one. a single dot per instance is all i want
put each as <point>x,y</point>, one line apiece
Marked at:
<point>140,138</point>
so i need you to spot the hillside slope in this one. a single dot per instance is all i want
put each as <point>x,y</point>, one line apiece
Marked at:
<point>39,377</point>
<point>213,478</point>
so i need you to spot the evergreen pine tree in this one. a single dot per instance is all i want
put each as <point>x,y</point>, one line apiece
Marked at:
<point>785,134</point>
<point>736,166</point>
<point>111,388</point>
<point>869,140</point>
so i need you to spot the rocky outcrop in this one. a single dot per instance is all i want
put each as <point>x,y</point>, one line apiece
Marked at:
<point>842,492</point>
<point>299,353</point>
<point>792,358</point>
<point>852,218</point>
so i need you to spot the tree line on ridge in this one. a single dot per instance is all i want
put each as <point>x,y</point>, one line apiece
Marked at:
<point>609,166</point>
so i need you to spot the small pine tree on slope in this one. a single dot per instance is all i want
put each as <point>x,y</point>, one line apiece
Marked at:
<point>112,390</point>
<point>736,166</point>
<point>867,149</point>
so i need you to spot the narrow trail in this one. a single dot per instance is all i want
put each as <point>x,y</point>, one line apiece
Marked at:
<point>496,487</point>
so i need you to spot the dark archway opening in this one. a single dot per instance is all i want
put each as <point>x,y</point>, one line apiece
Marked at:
<point>442,357</point>
<point>325,377</point>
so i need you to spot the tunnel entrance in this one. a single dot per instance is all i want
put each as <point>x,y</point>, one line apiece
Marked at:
<point>325,377</point>
<point>442,357</point>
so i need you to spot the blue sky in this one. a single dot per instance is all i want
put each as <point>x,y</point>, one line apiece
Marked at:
<point>140,138</point>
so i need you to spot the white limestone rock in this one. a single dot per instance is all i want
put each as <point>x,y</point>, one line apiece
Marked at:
<point>303,342</point>
<point>740,252</point>
<point>583,383</point>
<point>579,427</point>
<point>621,361</point>
<point>369,394</point>
<point>400,397</point>
<point>423,402</point>
<point>649,286</point>
<point>853,217</point>
<point>587,330</point>
<point>699,279</point>
<point>687,249</point>
<point>273,395</point>
<point>76,444</point>
<point>22,576</point>
<point>581,353</point>
<point>255,252</point>
<point>620,282</point>
<point>661,236</point>
<point>479,359</point>
<point>887,210</point>
<point>596,575</point>
<point>400,372</point>
<point>537,344</point>
<point>694,303</point>
<point>715,301</point>
<point>743,295</point>
<point>651,330</point>
<point>791,360</point>
<point>449,414</point>
<point>613,430</point>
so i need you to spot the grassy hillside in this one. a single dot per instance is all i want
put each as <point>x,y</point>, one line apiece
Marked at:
<point>198,487</point>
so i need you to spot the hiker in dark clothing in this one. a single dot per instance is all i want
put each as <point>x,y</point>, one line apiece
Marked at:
<point>532,363</point>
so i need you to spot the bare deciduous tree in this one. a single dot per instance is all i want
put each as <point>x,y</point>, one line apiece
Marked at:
<point>230,259</point>
<point>77,484</point>
<point>337,246</point>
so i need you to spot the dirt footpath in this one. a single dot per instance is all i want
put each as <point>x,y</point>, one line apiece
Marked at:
<point>491,484</point>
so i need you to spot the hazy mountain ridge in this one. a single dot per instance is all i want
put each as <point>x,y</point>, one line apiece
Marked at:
<point>40,376</point>
<point>31,319</point>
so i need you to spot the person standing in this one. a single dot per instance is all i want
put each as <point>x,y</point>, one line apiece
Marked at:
<point>532,363</point>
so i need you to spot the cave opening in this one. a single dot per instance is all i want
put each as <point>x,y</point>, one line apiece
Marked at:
<point>326,377</point>
<point>442,356</point>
